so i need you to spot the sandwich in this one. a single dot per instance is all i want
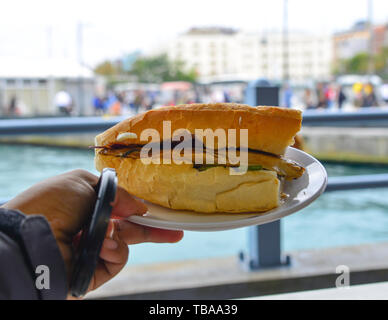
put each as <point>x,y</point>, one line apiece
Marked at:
<point>165,156</point>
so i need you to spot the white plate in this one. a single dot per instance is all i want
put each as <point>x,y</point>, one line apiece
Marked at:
<point>301,193</point>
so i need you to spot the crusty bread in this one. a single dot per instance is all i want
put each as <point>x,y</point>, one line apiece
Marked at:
<point>184,188</point>
<point>270,129</point>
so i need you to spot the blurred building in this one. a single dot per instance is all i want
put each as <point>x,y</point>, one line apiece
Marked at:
<point>32,84</point>
<point>227,52</point>
<point>350,42</point>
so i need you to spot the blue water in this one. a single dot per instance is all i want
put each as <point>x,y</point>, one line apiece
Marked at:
<point>335,219</point>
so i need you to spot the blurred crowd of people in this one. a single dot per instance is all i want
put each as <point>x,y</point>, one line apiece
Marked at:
<point>332,95</point>
<point>365,95</point>
<point>127,101</point>
<point>324,96</point>
<point>118,102</point>
<point>321,96</point>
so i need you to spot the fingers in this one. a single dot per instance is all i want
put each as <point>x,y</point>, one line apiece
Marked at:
<point>110,230</point>
<point>84,175</point>
<point>113,257</point>
<point>132,233</point>
<point>114,252</point>
<point>125,205</point>
<point>110,245</point>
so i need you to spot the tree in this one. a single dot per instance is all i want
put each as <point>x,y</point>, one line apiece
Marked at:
<point>177,72</point>
<point>106,68</point>
<point>358,64</point>
<point>381,63</point>
<point>153,69</point>
<point>159,68</point>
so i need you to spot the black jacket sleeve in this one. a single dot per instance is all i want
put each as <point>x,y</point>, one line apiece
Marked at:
<point>31,265</point>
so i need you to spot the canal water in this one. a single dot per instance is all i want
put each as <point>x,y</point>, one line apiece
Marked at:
<point>335,219</point>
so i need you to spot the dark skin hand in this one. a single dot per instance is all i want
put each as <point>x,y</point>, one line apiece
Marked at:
<point>68,200</point>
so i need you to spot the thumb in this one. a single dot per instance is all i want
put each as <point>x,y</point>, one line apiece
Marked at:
<point>126,205</point>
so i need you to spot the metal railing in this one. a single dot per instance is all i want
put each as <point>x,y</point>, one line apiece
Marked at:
<point>58,125</point>
<point>357,182</point>
<point>370,117</point>
<point>367,117</point>
<point>264,245</point>
<point>343,183</point>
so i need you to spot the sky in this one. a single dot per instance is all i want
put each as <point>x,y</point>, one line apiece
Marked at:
<point>110,28</point>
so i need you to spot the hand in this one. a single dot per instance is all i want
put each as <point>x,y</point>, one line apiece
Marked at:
<point>68,200</point>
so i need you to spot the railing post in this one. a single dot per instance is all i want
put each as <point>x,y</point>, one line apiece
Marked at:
<point>264,247</point>
<point>264,242</point>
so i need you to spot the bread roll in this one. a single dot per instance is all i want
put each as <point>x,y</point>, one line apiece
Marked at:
<point>183,187</point>
<point>270,129</point>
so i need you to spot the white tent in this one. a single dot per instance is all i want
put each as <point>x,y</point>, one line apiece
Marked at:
<point>32,68</point>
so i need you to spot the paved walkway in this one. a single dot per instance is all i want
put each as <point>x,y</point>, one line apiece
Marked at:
<point>224,278</point>
<point>374,291</point>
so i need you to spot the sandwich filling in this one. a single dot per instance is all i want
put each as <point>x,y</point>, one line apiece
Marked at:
<point>257,159</point>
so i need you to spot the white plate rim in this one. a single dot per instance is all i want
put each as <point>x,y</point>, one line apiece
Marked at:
<point>261,218</point>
